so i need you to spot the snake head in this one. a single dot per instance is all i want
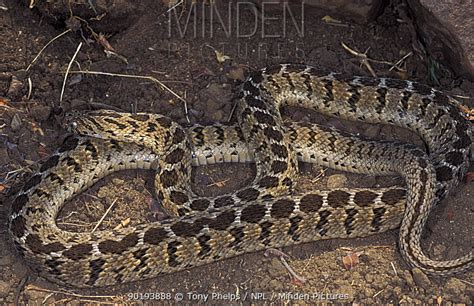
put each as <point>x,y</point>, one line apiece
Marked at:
<point>89,123</point>
<point>71,120</point>
<point>81,123</point>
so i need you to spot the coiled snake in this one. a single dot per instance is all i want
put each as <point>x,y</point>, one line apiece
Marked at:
<point>264,214</point>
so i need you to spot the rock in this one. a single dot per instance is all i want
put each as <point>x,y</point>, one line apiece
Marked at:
<point>41,112</point>
<point>453,252</point>
<point>408,278</point>
<point>236,73</point>
<point>455,287</point>
<point>211,100</point>
<point>397,291</point>
<point>336,181</point>
<point>15,124</point>
<point>398,282</point>
<point>420,278</point>
<point>14,90</point>
<point>446,26</point>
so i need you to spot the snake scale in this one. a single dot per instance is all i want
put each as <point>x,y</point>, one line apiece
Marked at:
<point>265,213</point>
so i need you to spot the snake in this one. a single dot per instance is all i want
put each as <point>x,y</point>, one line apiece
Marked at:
<point>266,213</point>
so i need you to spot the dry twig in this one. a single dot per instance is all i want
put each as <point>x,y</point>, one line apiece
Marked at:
<point>103,216</point>
<point>45,46</point>
<point>365,60</point>
<point>67,70</point>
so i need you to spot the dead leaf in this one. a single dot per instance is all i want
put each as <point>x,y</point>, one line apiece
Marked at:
<point>36,129</point>
<point>329,19</point>
<point>351,260</point>
<point>332,21</point>
<point>3,102</point>
<point>2,187</point>
<point>101,39</point>
<point>221,57</point>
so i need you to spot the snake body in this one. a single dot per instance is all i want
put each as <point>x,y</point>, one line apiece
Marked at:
<point>265,213</point>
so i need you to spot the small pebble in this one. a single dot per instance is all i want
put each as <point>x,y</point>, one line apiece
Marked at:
<point>15,88</point>
<point>41,112</point>
<point>420,278</point>
<point>15,123</point>
<point>409,278</point>
<point>102,193</point>
<point>455,287</point>
<point>236,73</point>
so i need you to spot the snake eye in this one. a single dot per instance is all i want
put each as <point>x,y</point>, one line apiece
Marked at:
<point>72,126</point>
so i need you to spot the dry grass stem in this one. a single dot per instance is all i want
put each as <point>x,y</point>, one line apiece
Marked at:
<point>132,76</point>
<point>397,64</point>
<point>378,293</point>
<point>35,288</point>
<point>461,97</point>
<point>365,60</point>
<point>186,112</point>
<point>299,278</point>
<point>103,216</point>
<point>219,184</point>
<point>174,6</point>
<point>67,70</point>
<point>45,46</point>
<point>30,88</point>
<point>393,267</point>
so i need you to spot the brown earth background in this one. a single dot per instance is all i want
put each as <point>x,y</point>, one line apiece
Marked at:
<point>145,41</point>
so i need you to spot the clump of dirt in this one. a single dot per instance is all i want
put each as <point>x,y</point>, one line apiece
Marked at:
<point>202,60</point>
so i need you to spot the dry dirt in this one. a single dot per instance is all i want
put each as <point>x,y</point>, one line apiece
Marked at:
<point>189,66</point>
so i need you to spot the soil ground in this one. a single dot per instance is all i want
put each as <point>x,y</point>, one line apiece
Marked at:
<point>189,66</point>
